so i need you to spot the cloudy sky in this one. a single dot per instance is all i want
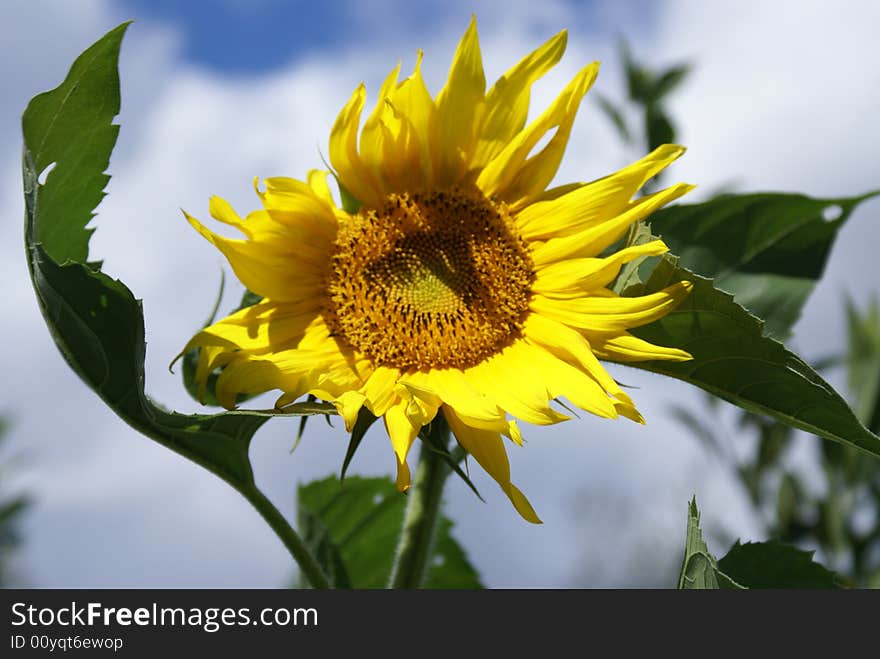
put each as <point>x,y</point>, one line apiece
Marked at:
<point>783,97</point>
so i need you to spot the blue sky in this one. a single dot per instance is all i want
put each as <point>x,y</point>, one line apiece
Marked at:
<point>241,36</point>
<point>247,36</point>
<point>215,93</point>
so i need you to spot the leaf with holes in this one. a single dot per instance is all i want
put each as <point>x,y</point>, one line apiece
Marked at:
<point>768,249</point>
<point>96,322</point>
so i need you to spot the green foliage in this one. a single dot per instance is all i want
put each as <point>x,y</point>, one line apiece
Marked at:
<point>95,320</point>
<point>775,565</point>
<point>362,424</point>
<point>752,565</point>
<point>824,516</point>
<point>699,569</point>
<point>12,507</point>
<point>863,362</point>
<point>646,92</point>
<point>353,527</point>
<point>768,249</point>
<point>735,360</point>
<point>71,127</point>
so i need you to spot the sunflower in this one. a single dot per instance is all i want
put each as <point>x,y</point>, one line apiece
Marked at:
<point>453,281</point>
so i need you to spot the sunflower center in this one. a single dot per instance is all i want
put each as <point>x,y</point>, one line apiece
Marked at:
<point>429,280</point>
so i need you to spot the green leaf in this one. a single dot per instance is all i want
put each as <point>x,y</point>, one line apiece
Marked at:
<point>669,80</point>
<point>658,127</point>
<point>768,249</point>
<point>362,424</point>
<point>863,361</point>
<point>774,564</point>
<point>71,127</point>
<point>96,322</point>
<point>699,569</point>
<point>639,80</point>
<point>639,234</point>
<point>353,528</point>
<point>736,361</point>
<point>615,115</point>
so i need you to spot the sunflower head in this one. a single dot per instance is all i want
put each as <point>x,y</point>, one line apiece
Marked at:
<point>461,285</point>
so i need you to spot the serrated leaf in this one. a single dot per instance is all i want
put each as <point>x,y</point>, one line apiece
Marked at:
<point>774,564</point>
<point>699,569</point>
<point>768,249</point>
<point>95,321</point>
<point>71,127</point>
<point>353,528</point>
<point>735,360</point>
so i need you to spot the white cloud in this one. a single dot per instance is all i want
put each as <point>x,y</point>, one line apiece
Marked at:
<point>767,106</point>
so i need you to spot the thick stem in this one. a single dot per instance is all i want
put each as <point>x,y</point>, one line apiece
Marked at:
<point>422,510</point>
<point>297,548</point>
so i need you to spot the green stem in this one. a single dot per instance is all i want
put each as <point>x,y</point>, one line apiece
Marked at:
<point>295,545</point>
<point>422,510</point>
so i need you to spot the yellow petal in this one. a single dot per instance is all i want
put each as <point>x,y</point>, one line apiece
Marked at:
<point>509,379</point>
<point>488,450</point>
<point>507,102</point>
<point>515,176</point>
<point>305,208</point>
<point>263,327</point>
<point>453,388</point>
<point>575,277</point>
<point>403,420</point>
<point>570,345</point>
<point>577,207</point>
<point>350,168</point>
<point>402,434</point>
<point>349,405</point>
<point>624,347</point>
<point>608,312</point>
<point>459,108</point>
<point>379,389</point>
<point>561,379</point>
<point>595,238</point>
<point>274,271</point>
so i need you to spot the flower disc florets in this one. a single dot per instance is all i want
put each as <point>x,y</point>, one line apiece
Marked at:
<point>429,280</point>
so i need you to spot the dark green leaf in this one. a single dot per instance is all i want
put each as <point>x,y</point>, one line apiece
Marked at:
<point>615,115</point>
<point>775,565</point>
<point>639,81</point>
<point>736,361</point>
<point>699,569</point>
<point>71,127</point>
<point>669,80</point>
<point>248,299</point>
<point>453,457</point>
<point>362,424</point>
<point>95,320</point>
<point>658,127</point>
<point>863,362</point>
<point>768,249</point>
<point>353,528</point>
